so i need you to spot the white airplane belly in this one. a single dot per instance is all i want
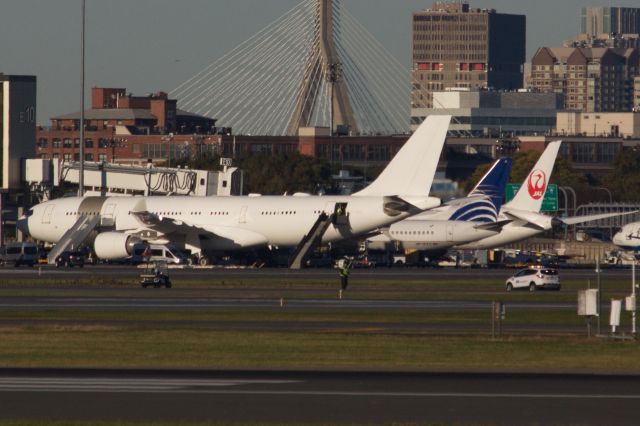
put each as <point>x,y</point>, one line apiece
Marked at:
<point>508,235</point>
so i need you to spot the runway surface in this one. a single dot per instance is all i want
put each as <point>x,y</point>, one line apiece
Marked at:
<point>336,397</point>
<point>319,273</point>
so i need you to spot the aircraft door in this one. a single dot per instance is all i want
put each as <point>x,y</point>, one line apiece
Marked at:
<point>243,215</point>
<point>48,212</point>
<point>329,208</point>
<point>107,218</point>
<point>449,232</point>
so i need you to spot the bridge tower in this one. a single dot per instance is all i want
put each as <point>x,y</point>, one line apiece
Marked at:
<point>327,61</point>
<point>315,66</point>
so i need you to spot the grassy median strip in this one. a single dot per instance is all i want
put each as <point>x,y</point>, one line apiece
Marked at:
<point>291,316</point>
<point>153,423</point>
<point>114,347</point>
<point>149,423</point>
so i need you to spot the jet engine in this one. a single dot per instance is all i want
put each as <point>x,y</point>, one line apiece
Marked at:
<point>114,245</point>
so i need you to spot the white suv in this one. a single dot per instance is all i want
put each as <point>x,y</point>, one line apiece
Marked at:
<point>534,278</point>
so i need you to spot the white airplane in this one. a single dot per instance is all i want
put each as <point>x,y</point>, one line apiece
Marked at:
<point>524,210</point>
<point>457,222</point>
<point>232,223</point>
<point>629,237</point>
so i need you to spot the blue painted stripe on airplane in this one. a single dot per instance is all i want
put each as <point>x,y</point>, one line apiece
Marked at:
<point>469,211</point>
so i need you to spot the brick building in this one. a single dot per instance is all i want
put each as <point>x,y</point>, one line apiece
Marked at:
<point>125,127</point>
<point>592,79</point>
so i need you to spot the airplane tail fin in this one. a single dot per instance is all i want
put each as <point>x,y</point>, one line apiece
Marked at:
<point>411,171</point>
<point>484,201</point>
<point>494,182</point>
<point>530,195</point>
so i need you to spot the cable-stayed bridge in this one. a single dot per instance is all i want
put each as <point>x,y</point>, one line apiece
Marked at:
<point>315,66</point>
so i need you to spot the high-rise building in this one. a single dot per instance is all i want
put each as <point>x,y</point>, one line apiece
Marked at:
<point>600,22</point>
<point>17,127</point>
<point>458,46</point>
<point>592,79</point>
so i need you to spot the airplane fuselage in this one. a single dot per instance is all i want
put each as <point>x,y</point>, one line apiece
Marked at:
<point>436,234</point>
<point>629,237</point>
<point>510,233</point>
<point>246,221</point>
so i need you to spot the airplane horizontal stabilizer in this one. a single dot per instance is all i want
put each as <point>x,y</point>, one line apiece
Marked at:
<point>533,219</point>
<point>588,218</point>
<point>395,205</point>
<point>492,226</point>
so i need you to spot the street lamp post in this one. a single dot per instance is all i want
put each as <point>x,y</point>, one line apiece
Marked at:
<point>116,143</point>
<point>334,76</point>
<point>610,203</point>
<point>81,177</point>
<point>169,140</point>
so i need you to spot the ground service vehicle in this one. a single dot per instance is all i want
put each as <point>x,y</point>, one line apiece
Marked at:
<point>69,259</point>
<point>158,253</point>
<point>156,275</point>
<point>19,254</point>
<point>534,279</point>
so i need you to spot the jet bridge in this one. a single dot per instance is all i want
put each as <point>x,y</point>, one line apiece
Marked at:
<point>102,178</point>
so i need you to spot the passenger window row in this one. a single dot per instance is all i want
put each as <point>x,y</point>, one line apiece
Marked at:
<point>412,233</point>
<point>278,213</point>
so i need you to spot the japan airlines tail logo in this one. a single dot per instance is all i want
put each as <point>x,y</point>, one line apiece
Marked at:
<point>537,184</point>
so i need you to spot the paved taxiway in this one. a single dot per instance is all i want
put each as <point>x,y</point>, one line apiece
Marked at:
<point>337,397</point>
<point>314,273</point>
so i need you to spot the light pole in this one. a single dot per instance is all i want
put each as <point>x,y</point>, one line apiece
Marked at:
<point>575,205</point>
<point>566,209</point>
<point>610,203</point>
<point>334,76</point>
<point>81,177</point>
<point>116,143</point>
<point>608,192</point>
<point>168,139</point>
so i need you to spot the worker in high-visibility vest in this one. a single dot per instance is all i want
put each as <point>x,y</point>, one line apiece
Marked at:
<point>343,269</point>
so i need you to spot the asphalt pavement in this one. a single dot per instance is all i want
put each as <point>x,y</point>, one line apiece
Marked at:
<point>312,273</point>
<point>322,397</point>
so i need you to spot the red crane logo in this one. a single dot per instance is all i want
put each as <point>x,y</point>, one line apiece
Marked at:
<point>537,184</point>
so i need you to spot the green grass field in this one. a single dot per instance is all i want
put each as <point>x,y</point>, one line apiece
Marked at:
<point>367,339</point>
<point>113,347</point>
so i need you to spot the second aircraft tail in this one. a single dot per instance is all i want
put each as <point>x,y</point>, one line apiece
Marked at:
<point>411,171</point>
<point>530,195</point>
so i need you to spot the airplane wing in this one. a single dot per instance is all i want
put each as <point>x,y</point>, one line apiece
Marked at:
<point>227,234</point>
<point>588,218</point>
<point>162,224</point>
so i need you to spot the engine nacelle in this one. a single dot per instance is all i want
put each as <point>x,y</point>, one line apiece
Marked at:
<point>114,245</point>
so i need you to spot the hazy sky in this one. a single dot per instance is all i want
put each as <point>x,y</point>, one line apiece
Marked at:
<point>150,45</point>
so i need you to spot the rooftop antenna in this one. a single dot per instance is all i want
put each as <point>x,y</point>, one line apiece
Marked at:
<point>81,177</point>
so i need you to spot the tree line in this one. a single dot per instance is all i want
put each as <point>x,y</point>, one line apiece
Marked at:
<point>293,172</point>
